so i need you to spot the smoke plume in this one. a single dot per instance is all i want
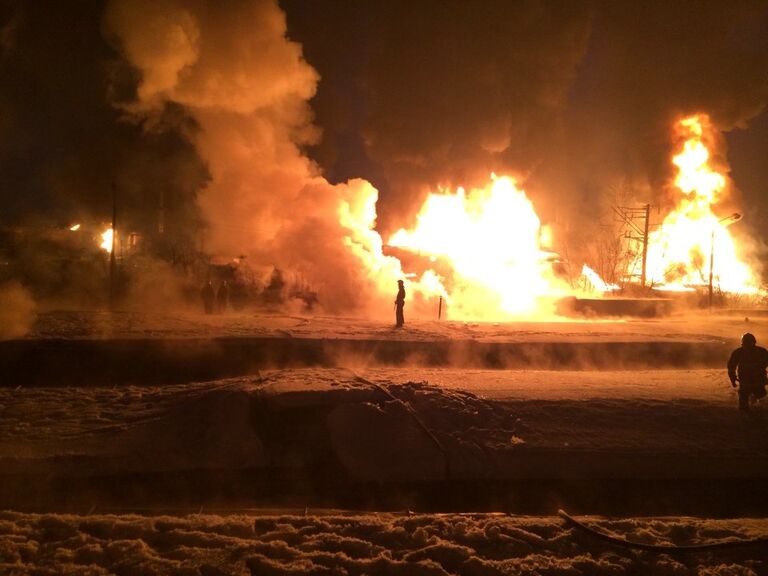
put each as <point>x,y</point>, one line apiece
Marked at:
<point>578,98</point>
<point>247,87</point>
<point>213,111</point>
<point>440,92</point>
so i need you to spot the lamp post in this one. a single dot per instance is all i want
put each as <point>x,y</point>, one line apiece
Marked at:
<point>735,217</point>
<point>112,254</point>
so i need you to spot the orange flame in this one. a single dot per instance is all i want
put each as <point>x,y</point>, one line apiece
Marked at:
<point>596,282</point>
<point>490,239</point>
<point>482,249</point>
<point>106,240</point>
<point>692,236</point>
<point>357,214</point>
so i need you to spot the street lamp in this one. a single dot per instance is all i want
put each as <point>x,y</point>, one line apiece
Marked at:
<point>735,217</point>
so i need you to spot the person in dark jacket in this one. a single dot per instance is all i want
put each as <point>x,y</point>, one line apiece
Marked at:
<point>747,366</point>
<point>400,304</point>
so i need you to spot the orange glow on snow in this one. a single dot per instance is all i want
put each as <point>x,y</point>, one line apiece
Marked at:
<point>679,252</point>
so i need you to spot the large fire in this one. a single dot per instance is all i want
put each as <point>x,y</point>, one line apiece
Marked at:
<point>106,240</point>
<point>483,252</point>
<point>693,245</point>
<point>489,244</point>
<point>597,283</point>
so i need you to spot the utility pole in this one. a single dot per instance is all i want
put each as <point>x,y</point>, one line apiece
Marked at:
<point>645,243</point>
<point>112,256</point>
<point>711,266</point>
<point>727,221</point>
<point>630,217</point>
<point>161,213</point>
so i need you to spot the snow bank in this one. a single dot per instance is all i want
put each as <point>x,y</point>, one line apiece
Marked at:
<point>356,544</point>
<point>380,439</point>
<point>101,348</point>
<point>384,443</point>
<point>108,431</point>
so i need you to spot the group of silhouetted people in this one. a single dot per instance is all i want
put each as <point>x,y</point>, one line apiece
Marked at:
<point>215,301</point>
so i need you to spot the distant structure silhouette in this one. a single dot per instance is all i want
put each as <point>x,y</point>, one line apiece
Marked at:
<point>747,366</point>
<point>400,304</point>
<point>222,297</point>
<point>208,297</point>
<point>273,293</point>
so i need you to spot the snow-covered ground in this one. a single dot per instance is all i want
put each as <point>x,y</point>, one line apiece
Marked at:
<point>104,324</point>
<point>98,348</point>
<point>395,424</point>
<point>356,423</point>
<point>372,544</point>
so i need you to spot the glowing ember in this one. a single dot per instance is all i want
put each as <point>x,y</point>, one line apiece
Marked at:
<point>692,235</point>
<point>75,227</point>
<point>597,283</point>
<point>106,240</point>
<point>490,240</point>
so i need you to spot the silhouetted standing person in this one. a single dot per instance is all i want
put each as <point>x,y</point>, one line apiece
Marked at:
<point>400,304</point>
<point>208,297</point>
<point>222,297</point>
<point>747,365</point>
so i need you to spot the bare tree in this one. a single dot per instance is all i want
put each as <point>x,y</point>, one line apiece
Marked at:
<point>613,249</point>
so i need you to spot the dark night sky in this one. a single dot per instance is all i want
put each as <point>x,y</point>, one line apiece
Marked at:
<point>585,92</point>
<point>573,97</point>
<point>62,142</point>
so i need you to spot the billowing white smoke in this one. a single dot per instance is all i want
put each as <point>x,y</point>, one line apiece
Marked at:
<point>247,86</point>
